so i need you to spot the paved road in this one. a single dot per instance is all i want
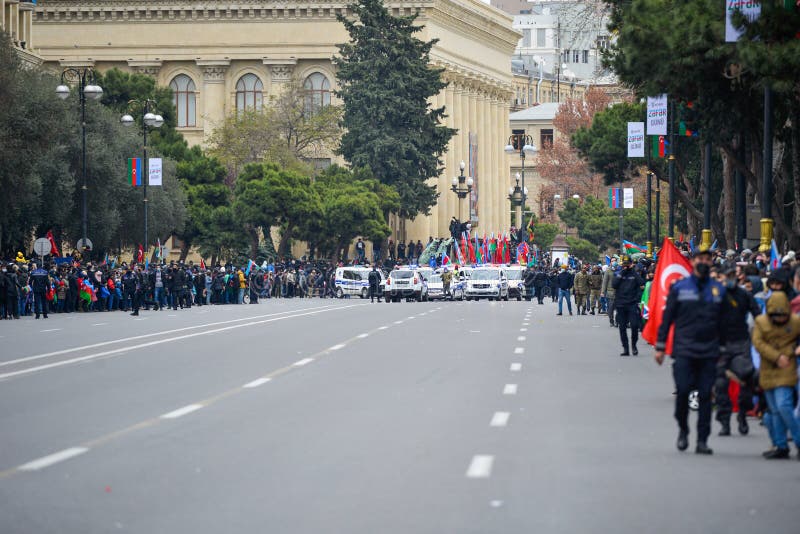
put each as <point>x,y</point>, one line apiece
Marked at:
<point>323,416</point>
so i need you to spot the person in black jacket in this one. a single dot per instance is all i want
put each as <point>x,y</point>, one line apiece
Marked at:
<point>374,279</point>
<point>39,282</point>
<point>564,283</point>
<point>539,282</point>
<point>628,287</point>
<point>735,360</point>
<point>696,307</point>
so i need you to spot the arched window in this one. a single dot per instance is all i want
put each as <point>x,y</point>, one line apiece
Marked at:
<point>318,92</point>
<point>184,98</point>
<point>249,93</point>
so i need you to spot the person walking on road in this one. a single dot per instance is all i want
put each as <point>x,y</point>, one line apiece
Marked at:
<point>628,287</point>
<point>695,306</point>
<point>374,279</point>
<point>607,290</point>
<point>595,284</point>
<point>775,336</point>
<point>735,359</point>
<point>564,284</point>
<point>581,285</point>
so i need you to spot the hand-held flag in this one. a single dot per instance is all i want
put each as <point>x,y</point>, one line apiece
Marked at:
<point>672,266</point>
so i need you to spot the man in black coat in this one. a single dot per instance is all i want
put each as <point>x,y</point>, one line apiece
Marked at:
<point>628,286</point>
<point>374,279</point>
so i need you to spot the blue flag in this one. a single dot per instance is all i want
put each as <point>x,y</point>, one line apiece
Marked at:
<point>774,257</point>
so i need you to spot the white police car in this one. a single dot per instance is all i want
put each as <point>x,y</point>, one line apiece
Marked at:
<point>353,281</point>
<point>487,282</point>
<point>405,283</point>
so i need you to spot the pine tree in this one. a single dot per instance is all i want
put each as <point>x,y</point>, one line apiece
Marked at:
<point>386,83</point>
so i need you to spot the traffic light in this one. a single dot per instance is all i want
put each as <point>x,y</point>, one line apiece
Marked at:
<point>688,123</point>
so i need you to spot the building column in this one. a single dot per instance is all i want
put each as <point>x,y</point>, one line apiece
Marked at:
<point>495,151</point>
<point>215,102</point>
<point>450,160</point>
<point>473,128</point>
<point>485,160</point>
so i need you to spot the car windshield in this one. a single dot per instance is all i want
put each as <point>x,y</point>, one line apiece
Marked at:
<point>514,274</point>
<point>485,274</point>
<point>402,274</point>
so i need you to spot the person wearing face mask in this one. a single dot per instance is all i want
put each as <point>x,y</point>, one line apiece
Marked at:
<point>696,307</point>
<point>628,287</point>
<point>735,361</point>
<point>775,336</point>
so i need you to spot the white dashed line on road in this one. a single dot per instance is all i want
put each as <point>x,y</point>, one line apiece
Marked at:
<point>301,363</point>
<point>398,322</point>
<point>256,383</point>
<point>499,419</point>
<point>47,461</point>
<point>51,330</point>
<point>515,367</point>
<point>521,338</point>
<point>523,329</point>
<point>510,389</point>
<point>180,412</point>
<point>412,317</point>
<point>519,350</point>
<point>99,324</point>
<point>362,336</point>
<point>337,347</point>
<point>383,327</point>
<point>526,324</point>
<point>480,466</point>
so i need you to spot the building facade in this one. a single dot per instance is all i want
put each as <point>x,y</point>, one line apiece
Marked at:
<point>222,56</point>
<point>16,19</point>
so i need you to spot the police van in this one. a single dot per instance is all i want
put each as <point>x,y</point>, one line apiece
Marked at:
<point>354,281</point>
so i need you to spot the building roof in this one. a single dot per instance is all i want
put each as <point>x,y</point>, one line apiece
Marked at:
<point>540,112</point>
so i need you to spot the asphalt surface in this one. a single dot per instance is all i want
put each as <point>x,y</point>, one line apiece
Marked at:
<point>323,416</point>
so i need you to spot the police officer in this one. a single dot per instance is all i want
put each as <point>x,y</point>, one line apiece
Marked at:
<point>447,278</point>
<point>39,282</point>
<point>130,290</point>
<point>735,360</point>
<point>627,286</point>
<point>178,283</point>
<point>374,279</point>
<point>695,306</point>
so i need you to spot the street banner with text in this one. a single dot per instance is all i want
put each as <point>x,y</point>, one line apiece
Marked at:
<point>635,139</point>
<point>657,115</point>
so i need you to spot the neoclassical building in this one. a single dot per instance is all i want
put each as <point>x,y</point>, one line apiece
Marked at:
<point>220,56</point>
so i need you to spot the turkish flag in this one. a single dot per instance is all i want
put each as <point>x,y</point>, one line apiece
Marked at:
<point>140,255</point>
<point>672,266</point>
<point>53,247</point>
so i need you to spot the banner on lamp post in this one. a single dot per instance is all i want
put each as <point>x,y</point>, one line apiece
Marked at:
<point>635,139</point>
<point>749,8</point>
<point>657,115</point>
<point>627,198</point>
<point>154,171</point>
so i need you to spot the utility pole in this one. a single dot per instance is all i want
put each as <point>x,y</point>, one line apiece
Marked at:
<point>672,150</point>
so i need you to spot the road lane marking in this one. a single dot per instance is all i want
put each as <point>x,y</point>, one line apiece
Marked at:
<point>383,327</point>
<point>499,419</point>
<point>157,342</point>
<point>526,324</point>
<point>398,322</point>
<point>519,350</point>
<point>510,389</point>
<point>412,317</point>
<point>480,466</point>
<point>143,336</point>
<point>51,330</point>
<point>337,346</point>
<point>99,324</point>
<point>301,363</point>
<point>521,338</point>
<point>362,336</point>
<point>257,382</point>
<point>516,367</point>
<point>47,461</point>
<point>180,412</point>
<point>523,329</point>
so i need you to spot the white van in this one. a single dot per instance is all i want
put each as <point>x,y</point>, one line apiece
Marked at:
<point>353,281</point>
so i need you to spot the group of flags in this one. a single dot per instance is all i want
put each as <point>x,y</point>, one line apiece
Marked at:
<point>489,250</point>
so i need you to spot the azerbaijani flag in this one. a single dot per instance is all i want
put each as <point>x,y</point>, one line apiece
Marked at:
<point>445,260</point>
<point>660,146</point>
<point>135,171</point>
<point>250,265</point>
<point>615,198</point>
<point>633,248</point>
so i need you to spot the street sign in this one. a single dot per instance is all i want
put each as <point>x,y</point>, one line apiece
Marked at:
<point>84,243</point>
<point>42,246</point>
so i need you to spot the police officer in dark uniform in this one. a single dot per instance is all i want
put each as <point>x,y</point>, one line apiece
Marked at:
<point>374,279</point>
<point>130,289</point>
<point>628,286</point>
<point>39,281</point>
<point>735,360</point>
<point>178,283</point>
<point>539,283</point>
<point>696,307</point>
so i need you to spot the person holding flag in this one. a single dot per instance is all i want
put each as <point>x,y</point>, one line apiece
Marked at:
<point>695,308</point>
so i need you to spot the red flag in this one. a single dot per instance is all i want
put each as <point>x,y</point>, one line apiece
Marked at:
<point>53,247</point>
<point>507,250</point>
<point>672,266</point>
<point>140,255</point>
<point>202,264</point>
<point>471,251</point>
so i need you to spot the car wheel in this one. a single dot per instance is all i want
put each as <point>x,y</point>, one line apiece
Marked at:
<point>339,293</point>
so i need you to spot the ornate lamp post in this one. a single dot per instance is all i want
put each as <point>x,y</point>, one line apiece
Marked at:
<point>149,119</point>
<point>462,186</point>
<point>524,145</point>
<point>87,87</point>
<point>516,196</point>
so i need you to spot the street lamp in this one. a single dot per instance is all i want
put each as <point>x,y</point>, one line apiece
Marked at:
<point>462,186</point>
<point>149,120</point>
<point>524,145</point>
<point>516,195</point>
<point>86,88</point>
